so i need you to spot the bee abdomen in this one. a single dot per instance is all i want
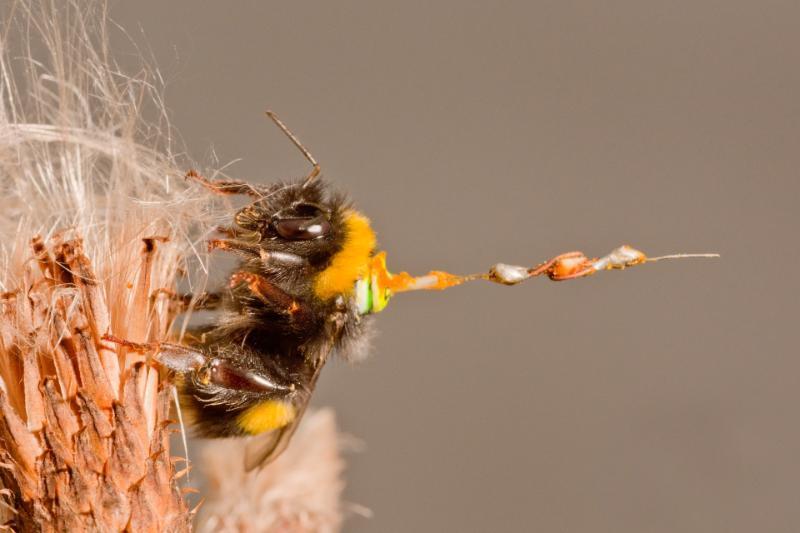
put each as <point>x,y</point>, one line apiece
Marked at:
<point>266,416</point>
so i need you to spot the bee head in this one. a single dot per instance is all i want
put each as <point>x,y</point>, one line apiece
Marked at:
<point>304,221</point>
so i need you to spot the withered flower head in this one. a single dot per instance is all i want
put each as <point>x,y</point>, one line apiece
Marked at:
<point>97,228</point>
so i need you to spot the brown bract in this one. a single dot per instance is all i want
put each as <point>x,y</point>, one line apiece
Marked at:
<point>83,427</point>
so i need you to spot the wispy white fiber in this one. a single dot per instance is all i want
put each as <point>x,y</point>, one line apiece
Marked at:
<point>84,147</point>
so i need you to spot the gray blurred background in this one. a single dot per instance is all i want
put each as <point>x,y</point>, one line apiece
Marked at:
<point>660,399</point>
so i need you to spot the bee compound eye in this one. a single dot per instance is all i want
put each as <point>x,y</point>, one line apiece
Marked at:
<point>302,228</point>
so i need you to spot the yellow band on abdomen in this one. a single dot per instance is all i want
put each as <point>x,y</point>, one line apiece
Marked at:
<point>266,416</point>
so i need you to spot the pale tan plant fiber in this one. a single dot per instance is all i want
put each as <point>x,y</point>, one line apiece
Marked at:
<point>95,217</point>
<point>298,492</point>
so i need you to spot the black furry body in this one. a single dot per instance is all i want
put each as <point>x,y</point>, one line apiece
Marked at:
<point>272,324</point>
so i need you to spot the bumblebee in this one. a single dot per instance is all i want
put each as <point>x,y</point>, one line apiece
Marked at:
<point>308,281</point>
<point>302,290</point>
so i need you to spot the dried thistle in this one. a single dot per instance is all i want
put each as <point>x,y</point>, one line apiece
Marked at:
<point>83,424</point>
<point>84,433</point>
<point>98,224</point>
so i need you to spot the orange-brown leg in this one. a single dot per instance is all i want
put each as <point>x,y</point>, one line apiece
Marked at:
<point>206,301</point>
<point>269,293</point>
<point>225,186</point>
<point>230,245</point>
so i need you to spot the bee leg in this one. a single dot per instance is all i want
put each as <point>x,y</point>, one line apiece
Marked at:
<point>287,259</point>
<point>249,250</point>
<point>270,294</point>
<point>232,232</point>
<point>205,369</point>
<point>206,301</point>
<point>222,373</point>
<point>217,371</point>
<point>230,245</point>
<point>225,186</point>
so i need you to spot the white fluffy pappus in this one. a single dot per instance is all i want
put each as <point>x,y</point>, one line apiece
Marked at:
<point>299,492</point>
<point>78,153</point>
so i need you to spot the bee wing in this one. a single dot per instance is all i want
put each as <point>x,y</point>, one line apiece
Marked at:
<point>262,449</point>
<point>265,448</point>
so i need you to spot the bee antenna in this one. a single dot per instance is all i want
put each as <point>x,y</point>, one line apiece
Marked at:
<point>292,137</point>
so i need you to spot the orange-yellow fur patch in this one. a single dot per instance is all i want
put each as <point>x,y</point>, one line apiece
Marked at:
<point>266,416</point>
<point>351,262</point>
